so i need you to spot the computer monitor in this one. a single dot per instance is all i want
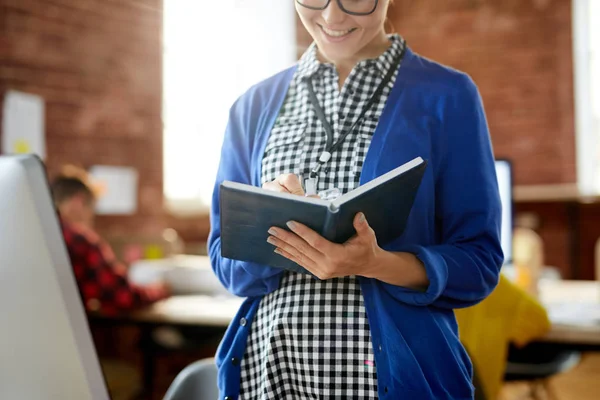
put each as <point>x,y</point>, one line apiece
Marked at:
<point>46,349</point>
<point>504,174</point>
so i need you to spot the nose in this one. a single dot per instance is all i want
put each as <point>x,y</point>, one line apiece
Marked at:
<point>333,14</point>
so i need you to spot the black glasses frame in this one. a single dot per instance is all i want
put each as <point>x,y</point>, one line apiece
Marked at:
<point>341,7</point>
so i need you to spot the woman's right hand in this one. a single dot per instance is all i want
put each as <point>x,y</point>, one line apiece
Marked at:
<point>286,183</point>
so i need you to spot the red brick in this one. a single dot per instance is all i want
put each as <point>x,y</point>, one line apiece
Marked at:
<point>97,64</point>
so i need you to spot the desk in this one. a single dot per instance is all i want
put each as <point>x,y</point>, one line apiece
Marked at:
<point>574,310</point>
<point>185,274</point>
<point>215,313</point>
<point>199,310</point>
<point>573,306</point>
<point>208,316</point>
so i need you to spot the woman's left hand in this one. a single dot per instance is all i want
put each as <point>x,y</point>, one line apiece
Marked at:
<point>326,259</point>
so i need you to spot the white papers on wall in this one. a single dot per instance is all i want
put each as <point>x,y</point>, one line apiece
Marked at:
<point>23,124</point>
<point>118,189</point>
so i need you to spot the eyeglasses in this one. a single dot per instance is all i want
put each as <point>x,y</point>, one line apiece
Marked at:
<point>352,7</point>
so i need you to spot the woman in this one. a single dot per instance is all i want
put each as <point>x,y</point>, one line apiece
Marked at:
<point>379,322</point>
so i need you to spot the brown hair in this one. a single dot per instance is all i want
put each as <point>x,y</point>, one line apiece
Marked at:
<point>65,187</point>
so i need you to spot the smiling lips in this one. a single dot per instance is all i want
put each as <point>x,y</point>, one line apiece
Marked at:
<point>336,34</point>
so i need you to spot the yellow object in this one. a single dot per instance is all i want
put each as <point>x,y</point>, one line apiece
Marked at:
<point>153,252</point>
<point>22,147</point>
<point>507,315</point>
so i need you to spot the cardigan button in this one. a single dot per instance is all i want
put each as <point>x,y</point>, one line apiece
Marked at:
<point>235,361</point>
<point>380,348</point>
<point>243,321</point>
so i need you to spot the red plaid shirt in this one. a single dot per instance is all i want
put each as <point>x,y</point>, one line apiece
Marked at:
<point>101,278</point>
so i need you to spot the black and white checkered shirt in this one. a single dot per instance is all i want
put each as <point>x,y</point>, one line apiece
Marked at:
<point>311,338</point>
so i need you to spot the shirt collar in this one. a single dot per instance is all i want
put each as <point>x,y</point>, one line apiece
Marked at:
<point>309,64</point>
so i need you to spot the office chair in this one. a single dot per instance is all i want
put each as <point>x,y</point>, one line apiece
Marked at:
<point>536,363</point>
<point>197,381</point>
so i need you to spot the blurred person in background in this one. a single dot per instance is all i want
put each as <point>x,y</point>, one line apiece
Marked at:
<point>377,323</point>
<point>101,278</point>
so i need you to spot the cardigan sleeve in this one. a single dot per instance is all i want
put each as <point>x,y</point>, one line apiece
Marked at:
<point>242,279</point>
<point>464,265</point>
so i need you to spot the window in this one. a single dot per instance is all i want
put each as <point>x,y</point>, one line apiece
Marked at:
<point>586,36</point>
<point>213,51</point>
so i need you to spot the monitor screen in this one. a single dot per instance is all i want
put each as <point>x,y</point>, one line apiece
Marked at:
<point>504,174</point>
<point>46,348</point>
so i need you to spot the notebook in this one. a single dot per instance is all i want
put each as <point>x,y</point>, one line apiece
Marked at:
<point>247,213</point>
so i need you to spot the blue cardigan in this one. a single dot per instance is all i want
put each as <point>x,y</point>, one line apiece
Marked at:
<point>454,227</point>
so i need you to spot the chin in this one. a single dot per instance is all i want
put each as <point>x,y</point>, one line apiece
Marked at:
<point>339,51</point>
<point>336,50</point>
<point>337,55</point>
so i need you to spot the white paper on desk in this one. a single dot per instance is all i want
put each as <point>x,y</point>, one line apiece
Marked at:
<point>578,314</point>
<point>118,187</point>
<point>23,124</point>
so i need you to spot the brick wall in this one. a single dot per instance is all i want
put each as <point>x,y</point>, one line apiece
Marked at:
<point>98,65</point>
<point>569,231</point>
<point>519,54</point>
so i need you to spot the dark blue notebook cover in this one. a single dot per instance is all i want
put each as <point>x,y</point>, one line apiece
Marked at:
<point>247,213</point>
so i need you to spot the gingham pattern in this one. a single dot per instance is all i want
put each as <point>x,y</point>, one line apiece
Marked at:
<point>311,338</point>
<point>298,137</point>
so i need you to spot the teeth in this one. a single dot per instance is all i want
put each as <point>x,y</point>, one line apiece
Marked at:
<point>336,33</point>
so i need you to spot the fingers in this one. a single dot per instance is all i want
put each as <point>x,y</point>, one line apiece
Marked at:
<point>293,244</point>
<point>292,183</point>
<point>323,258</point>
<point>296,256</point>
<point>311,237</point>
<point>286,183</point>
<point>275,187</point>
<point>362,226</point>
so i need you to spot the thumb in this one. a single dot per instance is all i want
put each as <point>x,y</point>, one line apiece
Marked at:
<point>361,225</point>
